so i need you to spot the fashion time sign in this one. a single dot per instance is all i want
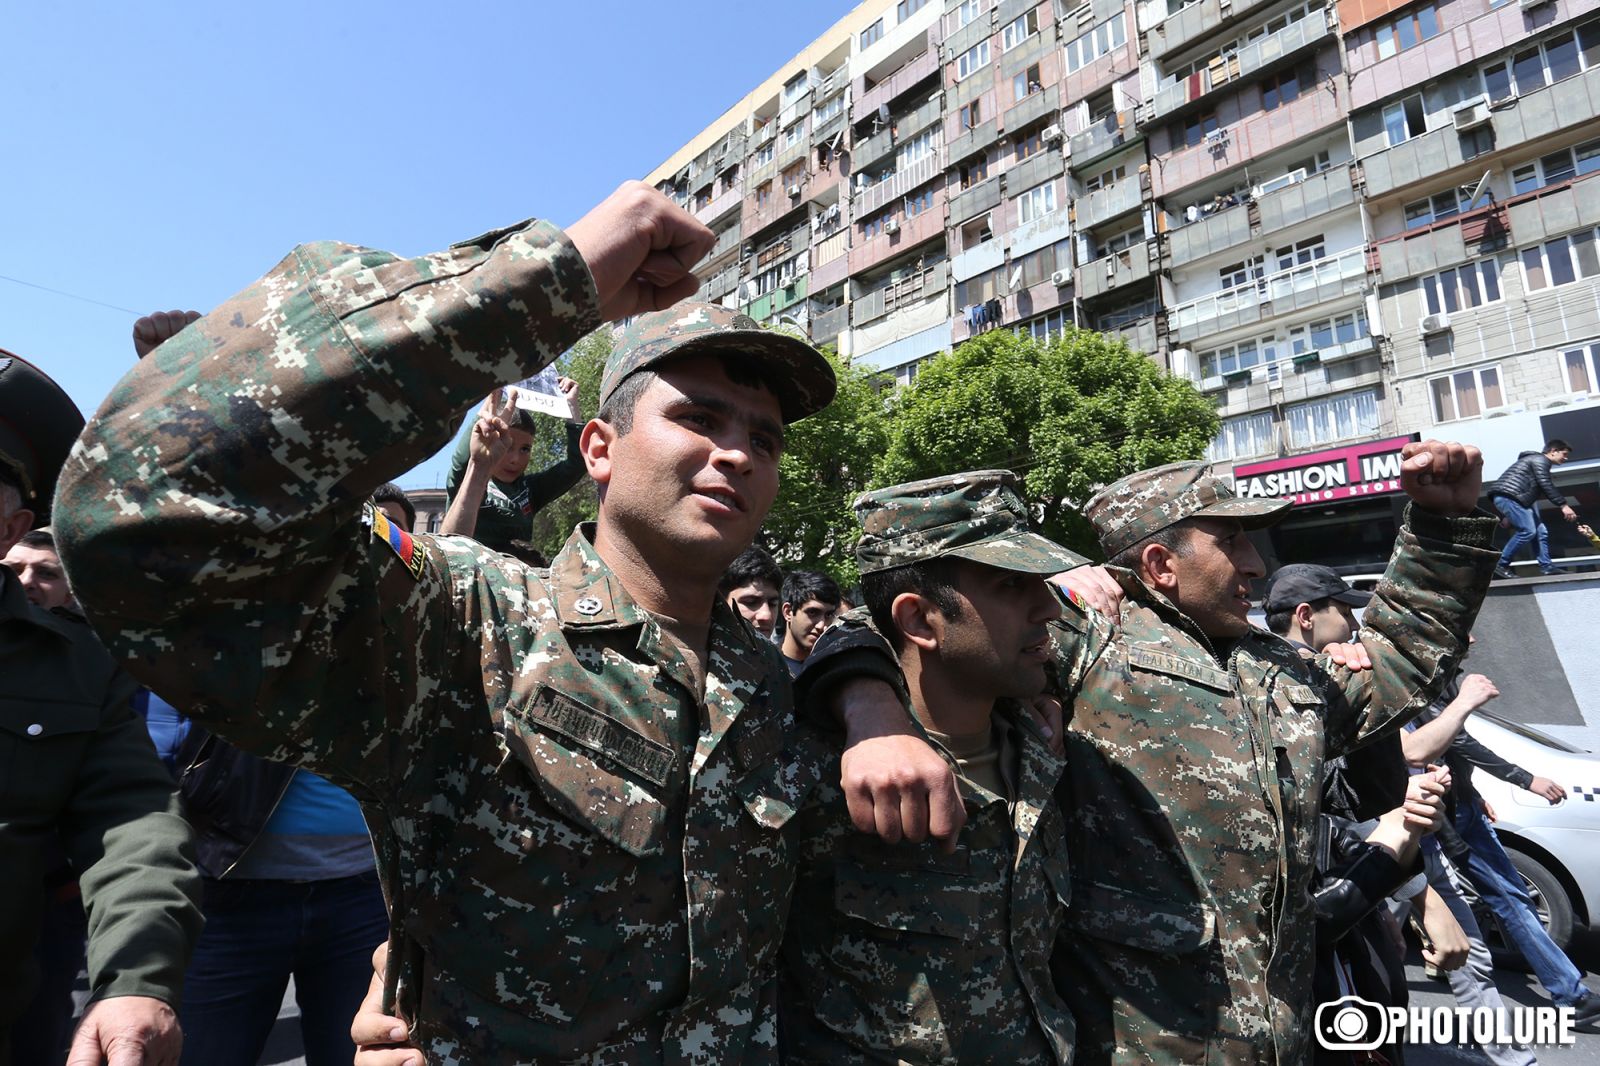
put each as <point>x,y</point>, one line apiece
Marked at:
<point>1371,469</point>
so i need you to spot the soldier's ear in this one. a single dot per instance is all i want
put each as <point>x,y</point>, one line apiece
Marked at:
<point>919,621</point>
<point>13,526</point>
<point>595,443</point>
<point>1155,564</point>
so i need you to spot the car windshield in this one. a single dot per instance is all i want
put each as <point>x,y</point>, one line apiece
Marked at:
<point>1530,734</point>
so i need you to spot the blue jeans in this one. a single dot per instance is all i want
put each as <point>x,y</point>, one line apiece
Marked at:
<point>1525,527</point>
<point>1501,887</point>
<point>257,934</point>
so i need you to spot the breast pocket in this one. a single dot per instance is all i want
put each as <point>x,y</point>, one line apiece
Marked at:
<point>42,743</point>
<point>1160,926</point>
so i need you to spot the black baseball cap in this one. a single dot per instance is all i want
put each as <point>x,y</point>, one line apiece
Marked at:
<point>38,424</point>
<point>1300,583</point>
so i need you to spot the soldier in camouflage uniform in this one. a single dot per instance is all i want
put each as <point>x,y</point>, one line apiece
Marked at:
<point>575,778</point>
<point>1195,754</point>
<point>903,952</point>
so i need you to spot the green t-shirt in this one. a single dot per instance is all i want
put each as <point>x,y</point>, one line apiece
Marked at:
<point>508,507</point>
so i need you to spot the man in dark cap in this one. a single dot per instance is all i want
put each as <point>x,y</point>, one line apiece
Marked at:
<point>80,775</point>
<point>1195,753</point>
<point>576,779</point>
<point>1311,606</point>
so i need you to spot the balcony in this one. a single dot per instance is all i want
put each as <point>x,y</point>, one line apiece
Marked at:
<point>791,154</point>
<point>1529,118</point>
<point>1197,22</point>
<point>826,326</point>
<point>1107,203</point>
<point>975,201</point>
<point>1254,58</point>
<point>1031,109</point>
<point>1111,272</point>
<point>911,289</point>
<point>829,263</point>
<point>897,84</point>
<point>718,285</point>
<point>727,241</point>
<point>779,204</point>
<point>824,131</point>
<point>873,149</point>
<point>779,299</point>
<point>1251,138</point>
<point>1140,335</point>
<point>1038,168</point>
<point>911,232</point>
<point>725,201</point>
<point>1439,57</point>
<point>1101,138</point>
<point>1290,290</point>
<point>1229,228</point>
<point>974,140</point>
<point>911,176</point>
<point>1028,52</point>
<point>827,88</point>
<point>919,118</point>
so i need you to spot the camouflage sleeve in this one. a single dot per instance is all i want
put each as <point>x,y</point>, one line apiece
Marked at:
<point>1081,635</point>
<point>211,515</point>
<point>851,648</point>
<point>1415,629</point>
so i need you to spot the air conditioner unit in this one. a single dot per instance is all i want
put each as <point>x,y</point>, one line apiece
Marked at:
<point>1434,323</point>
<point>1060,278</point>
<point>1282,181</point>
<point>794,190</point>
<point>1052,133</point>
<point>1217,136</point>
<point>1471,116</point>
<point>891,226</point>
<point>861,181</point>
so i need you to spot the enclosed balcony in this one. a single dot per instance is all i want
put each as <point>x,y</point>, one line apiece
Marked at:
<point>1292,198</point>
<point>1253,137</point>
<point>1107,203</point>
<point>1111,272</point>
<point>907,234</point>
<point>911,176</point>
<point>896,85</point>
<point>1101,138</point>
<point>1258,56</point>
<point>1198,21</point>
<point>1276,294</point>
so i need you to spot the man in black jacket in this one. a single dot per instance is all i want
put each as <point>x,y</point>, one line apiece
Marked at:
<point>1514,496</point>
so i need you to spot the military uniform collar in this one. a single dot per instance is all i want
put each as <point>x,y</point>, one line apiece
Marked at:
<point>1145,596</point>
<point>586,593</point>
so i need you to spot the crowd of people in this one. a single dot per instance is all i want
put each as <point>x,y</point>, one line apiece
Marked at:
<point>653,799</point>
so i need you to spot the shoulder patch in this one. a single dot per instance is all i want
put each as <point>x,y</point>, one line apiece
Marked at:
<point>412,557</point>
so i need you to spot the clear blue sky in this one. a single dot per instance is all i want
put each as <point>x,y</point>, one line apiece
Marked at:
<point>164,155</point>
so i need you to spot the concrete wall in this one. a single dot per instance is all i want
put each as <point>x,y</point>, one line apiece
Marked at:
<point>1536,641</point>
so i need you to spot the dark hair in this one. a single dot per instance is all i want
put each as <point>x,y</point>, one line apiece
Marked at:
<point>803,586</point>
<point>1278,621</point>
<point>524,550</point>
<point>389,492</point>
<point>752,565</point>
<point>1174,538</point>
<point>38,538</point>
<point>1557,445</point>
<point>617,411</point>
<point>934,580</point>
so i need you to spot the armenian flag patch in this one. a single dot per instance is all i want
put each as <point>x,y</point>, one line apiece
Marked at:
<point>412,557</point>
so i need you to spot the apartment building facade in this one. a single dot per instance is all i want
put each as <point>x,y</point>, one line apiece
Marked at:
<point>1349,222</point>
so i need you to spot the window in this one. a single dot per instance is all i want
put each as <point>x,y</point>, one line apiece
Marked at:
<point>976,232</point>
<point>906,8</point>
<point>1236,358</point>
<point>1020,30</point>
<point>1557,166</point>
<point>1466,393</point>
<point>794,135</point>
<point>1407,30</point>
<point>1465,286</point>
<point>1497,81</point>
<point>1579,368</point>
<point>1047,327</point>
<point>873,226</point>
<point>1476,142</point>
<point>967,12</point>
<point>1026,83</point>
<point>1404,119</point>
<point>972,60</point>
<point>1561,261</point>
<point>795,86</point>
<point>1301,252</point>
<point>1191,132</point>
<point>971,114</point>
<point>1035,268</point>
<point>871,34</point>
<point>1328,333</point>
<point>1036,202</point>
<point>1083,50</point>
<point>1027,144</point>
<point>1242,437</point>
<point>1237,274</point>
<point>793,176</point>
<point>974,172</point>
<point>914,148</point>
<point>1102,180</point>
<point>1286,86</point>
<point>828,110</point>
<point>986,286</point>
<point>1439,206</point>
<point>1123,239</point>
<point>763,155</point>
<point>1352,414</point>
<point>919,202</point>
<point>763,194</point>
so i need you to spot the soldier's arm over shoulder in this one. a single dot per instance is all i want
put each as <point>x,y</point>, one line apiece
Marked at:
<point>1081,635</point>
<point>212,514</point>
<point>849,649</point>
<point>1415,629</point>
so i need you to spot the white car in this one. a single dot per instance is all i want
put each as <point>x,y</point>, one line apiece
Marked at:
<point>1556,848</point>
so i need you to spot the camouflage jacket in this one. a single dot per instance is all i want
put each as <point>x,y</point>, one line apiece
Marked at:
<point>582,856</point>
<point>1191,798</point>
<point>904,953</point>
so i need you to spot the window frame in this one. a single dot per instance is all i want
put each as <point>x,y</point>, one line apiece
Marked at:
<point>1452,378</point>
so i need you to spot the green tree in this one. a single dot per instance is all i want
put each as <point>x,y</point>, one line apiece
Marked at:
<point>584,363</point>
<point>1068,417</point>
<point>828,460</point>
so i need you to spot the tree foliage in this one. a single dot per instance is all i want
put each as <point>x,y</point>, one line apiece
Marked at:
<point>1068,417</point>
<point>584,363</point>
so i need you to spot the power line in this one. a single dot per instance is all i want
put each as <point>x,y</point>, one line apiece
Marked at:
<point>70,295</point>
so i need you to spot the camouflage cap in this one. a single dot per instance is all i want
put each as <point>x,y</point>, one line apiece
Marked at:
<point>799,375</point>
<point>38,423</point>
<point>1131,509</point>
<point>977,515</point>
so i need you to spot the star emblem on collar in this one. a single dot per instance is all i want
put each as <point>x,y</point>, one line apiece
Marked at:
<point>588,605</point>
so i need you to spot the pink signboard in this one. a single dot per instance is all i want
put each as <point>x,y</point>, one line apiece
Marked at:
<point>1371,469</point>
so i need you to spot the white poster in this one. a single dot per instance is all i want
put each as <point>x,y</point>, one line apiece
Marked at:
<point>540,393</point>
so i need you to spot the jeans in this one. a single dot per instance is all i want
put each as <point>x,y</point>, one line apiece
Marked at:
<point>1501,887</point>
<point>1525,526</point>
<point>257,934</point>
